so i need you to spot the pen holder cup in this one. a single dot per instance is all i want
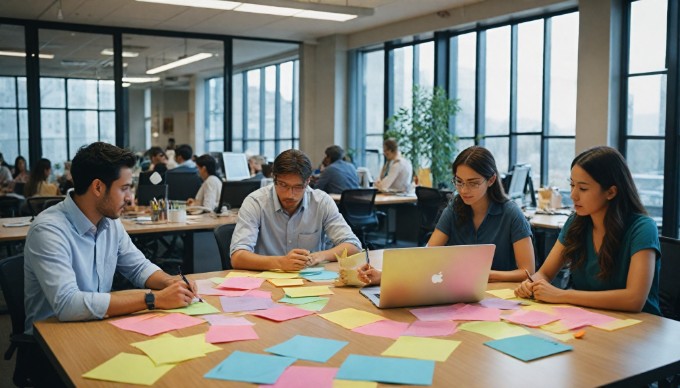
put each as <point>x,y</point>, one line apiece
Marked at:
<point>177,215</point>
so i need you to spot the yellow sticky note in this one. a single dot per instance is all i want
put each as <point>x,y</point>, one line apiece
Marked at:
<point>217,280</point>
<point>299,292</point>
<point>354,384</point>
<point>350,318</point>
<point>277,275</point>
<point>618,324</point>
<point>170,350</point>
<point>555,327</point>
<point>286,282</point>
<point>198,308</point>
<point>495,330</point>
<point>422,348</point>
<point>237,274</point>
<point>564,337</point>
<point>129,369</point>
<point>199,341</point>
<point>505,293</point>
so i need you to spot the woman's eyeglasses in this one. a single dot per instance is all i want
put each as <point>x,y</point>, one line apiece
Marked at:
<point>474,185</point>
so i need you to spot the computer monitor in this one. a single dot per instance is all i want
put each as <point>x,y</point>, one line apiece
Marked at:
<point>220,163</point>
<point>373,161</point>
<point>365,178</point>
<point>233,193</point>
<point>235,166</point>
<point>521,183</point>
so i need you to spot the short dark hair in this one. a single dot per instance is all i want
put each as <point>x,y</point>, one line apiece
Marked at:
<point>153,151</point>
<point>101,161</point>
<point>391,144</point>
<point>335,153</point>
<point>209,162</point>
<point>292,161</point>
<point>185,151</point>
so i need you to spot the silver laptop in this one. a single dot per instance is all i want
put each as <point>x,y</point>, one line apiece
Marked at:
<point>432,275</point>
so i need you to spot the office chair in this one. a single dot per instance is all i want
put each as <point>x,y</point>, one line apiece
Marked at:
<point>223,235</point>
<point>12,283</point>
<point>357,206</point>
<point>182,185</point>
<point>431,204</point>
<point>19,188</point>
<point>145,178</point>
<point>669,288</point>
<point>10,206</point>
<point>146,193</point>
<point>39,203</point>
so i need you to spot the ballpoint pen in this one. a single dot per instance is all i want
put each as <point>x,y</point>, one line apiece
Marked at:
<point>179,269</point>
<point>368,261</point>
<point>531,280</point>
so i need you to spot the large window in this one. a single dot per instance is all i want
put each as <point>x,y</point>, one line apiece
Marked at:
<point>13,103</point>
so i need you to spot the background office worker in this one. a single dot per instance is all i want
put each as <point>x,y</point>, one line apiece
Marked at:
<point>209,193</point>
<point>338,175</point>
<point>285,225</point>
<point>183,155</point>
<point>397,172</point>
<point>611,245</point>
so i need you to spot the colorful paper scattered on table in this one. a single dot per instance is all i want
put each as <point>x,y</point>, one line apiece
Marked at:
<point>430,329</point>
<point>530,318</point>
<point>436,313</point>
<point>198,308</point>
<point>311,270</point>
<point>259,294</point>
<point>221,334</point>
<point>308,348</point>
<point>286,282</point>
<point>250,368</point>
<point>386,370</point>
<point>245,303</point>
<point>129,369</point>
<point>577,314</point>
<point>305,376</point>
<point>528,347</point>
<point>248,283</point>
<point>617,324</point>
<point>320,276</point>
<point>171,350</point>
<point>337,383</point>
<point>557,327</point>
<point>314,306</point>
<point>495,330</point>
<point>471,312</point>
<point>298,292</point>
<point>225,320</point>
<point>502,304</point>
<point>282,313</point>
<point>505,293</point>
<point>303,300</point>
<point>422,348</point>
<point>206,287</point>
<point>278,275</point>
<point>350,318</point>
<point>385,328</point>
<point>152,324</point>
<point>239,274</point>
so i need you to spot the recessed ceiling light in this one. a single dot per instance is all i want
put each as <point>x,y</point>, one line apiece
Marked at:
<point>10,53</point>
<point>140,80</point>
<point>214,4</point>
<point>126,54</point>
<point>267,9</point>
<point>180,62</point>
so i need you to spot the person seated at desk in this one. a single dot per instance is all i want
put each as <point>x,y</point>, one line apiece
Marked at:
<point>37,183</point>
<point>397,172</point>
<point>158,159</point>
<point>338,175</point>
<point>285,225</point>
<point>209,194</point>
<point>481,213</point>
<point>5,173</point>
<point>610,244</point>
<point>255,163</point>
<point>183,155</point>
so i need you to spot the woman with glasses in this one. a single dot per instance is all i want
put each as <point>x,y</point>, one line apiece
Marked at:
<point>481,213</point>
<point>610,244</point>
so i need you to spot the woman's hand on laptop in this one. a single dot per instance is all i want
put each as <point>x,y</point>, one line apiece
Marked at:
<point>295,260</point>
<point>369,275</point>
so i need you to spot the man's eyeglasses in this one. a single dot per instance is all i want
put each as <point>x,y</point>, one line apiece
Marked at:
<point>460,185</point>
<point>297,189</point>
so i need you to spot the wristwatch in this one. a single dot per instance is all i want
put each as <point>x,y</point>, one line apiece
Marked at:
<point>150,300</point>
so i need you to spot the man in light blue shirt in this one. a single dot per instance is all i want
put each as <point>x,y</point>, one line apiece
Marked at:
<point>338,175</point>
<point>183,155</point>
<point>285,225</point>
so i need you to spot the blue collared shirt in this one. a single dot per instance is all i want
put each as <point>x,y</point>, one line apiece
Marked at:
<point>338,177</point>
<point>265,228</point>
<point>69,264</point>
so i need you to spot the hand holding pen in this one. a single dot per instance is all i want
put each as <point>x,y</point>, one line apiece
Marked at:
<point>179,269</point>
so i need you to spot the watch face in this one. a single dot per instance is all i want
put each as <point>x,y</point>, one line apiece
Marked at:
<point>150,300</point>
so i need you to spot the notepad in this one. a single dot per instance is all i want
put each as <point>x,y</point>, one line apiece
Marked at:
<point>528,347</point>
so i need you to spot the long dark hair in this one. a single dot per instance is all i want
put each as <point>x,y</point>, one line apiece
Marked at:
<point>16,166</point>
<point>38,174</point>
<point>608,168</point>
<point>482,161</point>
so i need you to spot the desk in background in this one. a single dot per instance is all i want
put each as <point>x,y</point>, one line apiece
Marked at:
<point>632,356</point>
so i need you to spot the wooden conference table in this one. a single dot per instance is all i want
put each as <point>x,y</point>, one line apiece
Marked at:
<point>634,355</point>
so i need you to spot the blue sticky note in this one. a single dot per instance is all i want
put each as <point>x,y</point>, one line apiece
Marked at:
<point>387,370</point>
<point>528,347</point>
<point>308,348</point>
<point>323,275</point>
<point>311,270</point>
<point>250,367</point>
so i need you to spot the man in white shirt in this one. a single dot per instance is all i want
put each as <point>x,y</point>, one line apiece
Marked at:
<point>397,172</point>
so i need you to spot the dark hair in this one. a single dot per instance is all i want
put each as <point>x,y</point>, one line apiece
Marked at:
<point>154,151</point>
<point>292,162</point>
<point>209,162</point>
<point>101,161</point>
<point>391,144</point>
<point>482,161</point>
<point>16,162</point>
<point>608,168</point>
<point>38,174</point>
<point>335,153</point>
<point>185,151</point>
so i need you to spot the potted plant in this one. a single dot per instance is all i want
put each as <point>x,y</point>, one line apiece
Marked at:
<point>423,132</point>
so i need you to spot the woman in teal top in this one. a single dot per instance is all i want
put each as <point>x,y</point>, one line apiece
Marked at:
<point>610,244</point>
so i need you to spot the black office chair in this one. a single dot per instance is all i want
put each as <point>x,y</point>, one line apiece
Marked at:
<point>12,283</point>
<point>431,204</point>
<point>39,203</point>
<point>182,185</point>
<point>10,206</point>
<point>669,288</point>
<point>146,193</point>
<point>223,235</point>
<point>144,178</point>
<point>357,206</point>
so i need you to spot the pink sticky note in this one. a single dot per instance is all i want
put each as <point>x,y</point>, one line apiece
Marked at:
<point>531,318</point>
<point>157,324</point>
<point>224,320</point>
<point>241,283</point>
<point>282,313</point>
<point>578,314</point>
<point>305,376</point>
<point>245,303</point>
<point>437,313</point>
<point>386,328</point>
<point>498,303</point>
<point>259,294</point>
<point>476,313</point>
<point>431,329</point>
<point>220,334</point>
<point>131,322</point>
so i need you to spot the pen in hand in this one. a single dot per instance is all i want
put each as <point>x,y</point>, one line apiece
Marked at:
<point>179,269</point>
<point>368,261</point>
<point>531,280</point>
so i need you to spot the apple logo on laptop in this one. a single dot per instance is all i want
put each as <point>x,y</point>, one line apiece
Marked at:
<point>437,278</point>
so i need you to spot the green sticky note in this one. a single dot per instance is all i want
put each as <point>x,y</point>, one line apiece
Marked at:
<point>198,308</point>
